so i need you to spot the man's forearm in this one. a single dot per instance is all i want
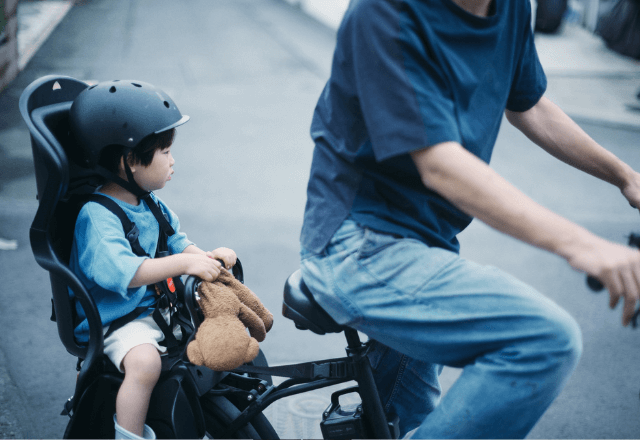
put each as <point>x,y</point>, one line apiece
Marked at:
<point>473,187</point>
<point>476,189</point>
<point>550,128</point>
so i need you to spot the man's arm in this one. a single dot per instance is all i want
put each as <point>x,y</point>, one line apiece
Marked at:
<point>550,128</point>
<point>472,186</point>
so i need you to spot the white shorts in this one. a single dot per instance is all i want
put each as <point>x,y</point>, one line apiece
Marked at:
<point>137,332</point>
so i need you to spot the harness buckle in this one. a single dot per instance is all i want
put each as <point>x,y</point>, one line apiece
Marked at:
<point>133,234</point>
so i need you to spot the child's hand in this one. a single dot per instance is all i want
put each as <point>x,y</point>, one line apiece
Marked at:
<point>225,254</point>
<point>202,267</point>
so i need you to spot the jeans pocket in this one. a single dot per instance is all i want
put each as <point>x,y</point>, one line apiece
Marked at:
<point>374,242</point>
<point>305,254</point>
<point>403,265</point>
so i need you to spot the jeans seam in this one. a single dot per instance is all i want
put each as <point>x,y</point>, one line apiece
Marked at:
<point>432,278</point>
<point>396,385</point>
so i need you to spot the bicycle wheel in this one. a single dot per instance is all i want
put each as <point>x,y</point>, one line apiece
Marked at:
<point>220,412</point>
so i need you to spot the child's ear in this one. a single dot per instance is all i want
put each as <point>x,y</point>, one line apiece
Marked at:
<point>130,161</point>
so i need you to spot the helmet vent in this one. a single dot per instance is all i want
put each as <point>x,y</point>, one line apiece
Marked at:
<point>137,85</point>
<point>125,125</point>
<point>93,86</point>
<point>112,89</point>
<point>166,104</point>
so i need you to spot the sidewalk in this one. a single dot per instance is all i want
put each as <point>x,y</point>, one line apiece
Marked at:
<point>587,80</point>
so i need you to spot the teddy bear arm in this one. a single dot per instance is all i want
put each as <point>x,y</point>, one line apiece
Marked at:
<point>251,300</point>
<point>253,322</point>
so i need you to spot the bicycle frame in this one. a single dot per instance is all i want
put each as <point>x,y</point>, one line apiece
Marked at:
<point>328,372</point>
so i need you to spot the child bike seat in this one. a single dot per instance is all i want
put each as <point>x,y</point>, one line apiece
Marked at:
<point>300,306</point>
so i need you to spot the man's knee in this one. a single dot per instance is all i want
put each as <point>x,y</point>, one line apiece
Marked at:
<point>568,338</point>
<point>558,345</point>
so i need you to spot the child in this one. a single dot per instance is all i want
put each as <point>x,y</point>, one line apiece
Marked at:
<point>124,130</point>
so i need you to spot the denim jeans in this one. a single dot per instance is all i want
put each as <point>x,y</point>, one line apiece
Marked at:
<point>427,307</point>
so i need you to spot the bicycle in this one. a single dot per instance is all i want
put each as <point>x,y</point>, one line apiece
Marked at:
<point>366,420</point>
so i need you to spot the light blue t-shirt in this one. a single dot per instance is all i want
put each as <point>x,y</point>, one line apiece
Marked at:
<point>102,258</point>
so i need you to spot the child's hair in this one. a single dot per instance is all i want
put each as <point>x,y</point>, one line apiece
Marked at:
<point>141,154</point>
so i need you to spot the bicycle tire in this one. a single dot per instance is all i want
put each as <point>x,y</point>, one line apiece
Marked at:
<point>219,412</point>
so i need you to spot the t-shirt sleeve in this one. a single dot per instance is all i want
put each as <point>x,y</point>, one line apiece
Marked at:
<point>104,254</point>
<point>178,242</point>
<point>529,82</point>
<point>403,93</point>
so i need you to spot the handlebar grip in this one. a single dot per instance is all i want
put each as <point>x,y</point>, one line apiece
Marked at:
<point>236,270</point>
<point>594,284</point>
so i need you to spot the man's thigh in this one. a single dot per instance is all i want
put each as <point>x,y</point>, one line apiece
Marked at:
<point>425,302</point>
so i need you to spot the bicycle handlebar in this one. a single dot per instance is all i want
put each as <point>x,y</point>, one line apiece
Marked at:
<point>594,284</point>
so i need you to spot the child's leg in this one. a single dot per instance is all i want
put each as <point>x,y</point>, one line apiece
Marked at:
<point>141,372</point>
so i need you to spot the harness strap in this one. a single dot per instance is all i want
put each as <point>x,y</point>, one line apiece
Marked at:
<point>131,231</point>
<point>339,368</point>
<point>126,319</point>
<point>170,340</point>
<point>166,289</point>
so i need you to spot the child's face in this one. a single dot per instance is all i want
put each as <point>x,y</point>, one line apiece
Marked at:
<point>157,173</point>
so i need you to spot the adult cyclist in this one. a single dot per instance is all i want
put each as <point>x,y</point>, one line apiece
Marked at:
<point>403,132</point>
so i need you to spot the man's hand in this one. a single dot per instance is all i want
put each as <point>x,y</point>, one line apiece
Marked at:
<point>225,254</point>
<point>617,267</point>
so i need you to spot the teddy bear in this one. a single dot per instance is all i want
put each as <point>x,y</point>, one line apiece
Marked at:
<point>221,342</point>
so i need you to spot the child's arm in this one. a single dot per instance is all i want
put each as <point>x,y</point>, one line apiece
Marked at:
<point>154,270</point>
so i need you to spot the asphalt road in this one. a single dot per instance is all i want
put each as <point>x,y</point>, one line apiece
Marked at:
<point>249,74</point>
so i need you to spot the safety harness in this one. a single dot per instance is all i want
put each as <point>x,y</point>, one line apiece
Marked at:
<point>168,290</point>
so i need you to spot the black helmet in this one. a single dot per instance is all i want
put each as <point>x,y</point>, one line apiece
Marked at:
<point>120,112</point>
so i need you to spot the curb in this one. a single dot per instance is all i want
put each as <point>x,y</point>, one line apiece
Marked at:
<point>36,21</point>
<point>603,122</point>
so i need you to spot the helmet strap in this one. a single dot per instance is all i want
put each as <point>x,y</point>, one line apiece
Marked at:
<point>141,194</point>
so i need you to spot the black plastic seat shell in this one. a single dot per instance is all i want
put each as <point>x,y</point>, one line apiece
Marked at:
<point>299,305</point>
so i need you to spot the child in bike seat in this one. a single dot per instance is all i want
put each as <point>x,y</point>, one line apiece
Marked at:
<point>124,131</point>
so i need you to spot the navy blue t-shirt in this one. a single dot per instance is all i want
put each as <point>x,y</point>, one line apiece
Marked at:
<point>408,74</point>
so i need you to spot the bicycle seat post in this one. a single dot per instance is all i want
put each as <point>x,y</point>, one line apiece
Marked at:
<point>371,403</point>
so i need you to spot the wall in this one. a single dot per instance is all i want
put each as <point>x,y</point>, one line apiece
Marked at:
<point>8,42</point>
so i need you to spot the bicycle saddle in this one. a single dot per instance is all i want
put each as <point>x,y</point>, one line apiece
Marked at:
<point>300,306</point>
